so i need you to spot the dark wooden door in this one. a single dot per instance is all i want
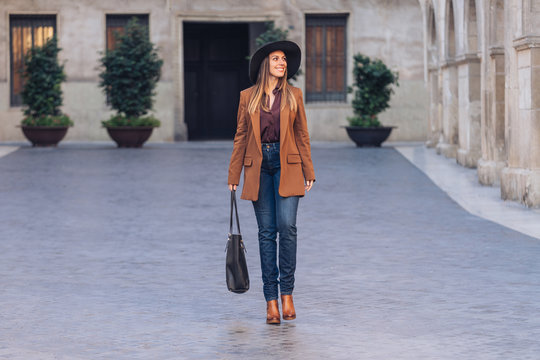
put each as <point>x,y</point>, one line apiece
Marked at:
<point>216,70</point>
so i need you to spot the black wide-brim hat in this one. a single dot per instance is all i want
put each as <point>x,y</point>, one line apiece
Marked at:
<point>291,50</point>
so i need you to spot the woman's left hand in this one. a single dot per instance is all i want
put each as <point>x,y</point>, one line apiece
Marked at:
<point>309,184</point>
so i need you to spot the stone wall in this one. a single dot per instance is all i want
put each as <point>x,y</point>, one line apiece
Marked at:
<point>390,30</point>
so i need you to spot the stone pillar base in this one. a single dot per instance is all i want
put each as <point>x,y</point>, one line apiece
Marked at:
<point>521,185</point>
<point>489,172</point>
<point>467,158</point>
<point>431,143</point>
<point>447,150</point>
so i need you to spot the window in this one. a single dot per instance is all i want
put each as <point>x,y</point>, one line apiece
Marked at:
<point>326,58</point>
<point>117,24</point>
<point>26,31</point>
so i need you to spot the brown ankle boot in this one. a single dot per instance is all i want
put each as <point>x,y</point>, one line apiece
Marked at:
<point>287,307</point>
<point>272,312</point>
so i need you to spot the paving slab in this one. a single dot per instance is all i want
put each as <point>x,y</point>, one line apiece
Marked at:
<point>112,253</point>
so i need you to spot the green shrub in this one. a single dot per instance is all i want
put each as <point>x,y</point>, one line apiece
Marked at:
<point>130,74</point>
<point>271,34</point>
<point>372,90</point>
<point>42,92</point>
<point>47,120</point>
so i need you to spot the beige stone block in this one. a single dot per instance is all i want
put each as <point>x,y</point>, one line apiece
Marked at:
<point>535,87</point>
<point>474,89</point>
<point>326,123</point>
<point>524,143</point>
<point>4,96</point>
<point>408,111</point>
<point>463,91</point>
<point>522,185</point>
<point>513,138</point>
<point>489,172</point>
<point>524,80</point>
<point>447,150</point>
<point>535,56</point>
<point>474,69</point>
<point>524,59</point>
<point>499,64</point>
<point>499,120</point>
<point>463,71</point>
<point>467,158</point>
<point>473,42</point>
<point>10,125</point>
<point>535,140</point>
<point>488,107</point>
<point>499,88</point>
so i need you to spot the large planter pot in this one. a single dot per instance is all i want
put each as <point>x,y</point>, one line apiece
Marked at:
<point>130,136</point>
<point>372,136</point>
<point>44,136</point>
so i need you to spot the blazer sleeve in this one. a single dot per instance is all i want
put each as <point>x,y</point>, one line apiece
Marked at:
<point>302,138</point>
<point>240,140</point>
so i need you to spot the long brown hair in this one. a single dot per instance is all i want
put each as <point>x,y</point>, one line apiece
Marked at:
<point>259,96</point>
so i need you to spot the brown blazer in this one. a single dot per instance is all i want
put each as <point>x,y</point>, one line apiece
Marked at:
<point>295,151</point>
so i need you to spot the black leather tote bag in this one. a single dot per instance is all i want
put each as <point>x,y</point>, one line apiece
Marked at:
<point>235,261</point>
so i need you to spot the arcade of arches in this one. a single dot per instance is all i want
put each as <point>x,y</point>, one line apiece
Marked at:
<point>482,67</point>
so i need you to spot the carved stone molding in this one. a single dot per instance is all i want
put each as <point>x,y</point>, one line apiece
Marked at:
<point>448,63</point>
<point>496,50</point>
<point>467,58</point>
<point>527,42</point>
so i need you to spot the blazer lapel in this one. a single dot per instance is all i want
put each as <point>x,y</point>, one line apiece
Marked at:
<point>256,126</point>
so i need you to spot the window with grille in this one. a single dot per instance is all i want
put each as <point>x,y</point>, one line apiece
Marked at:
<point>25,32</point>
<point>326,78</point>
<point>116,24</point>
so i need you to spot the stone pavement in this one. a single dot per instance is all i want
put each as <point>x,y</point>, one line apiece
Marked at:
<point>118,254</point>
<point>462,185</point>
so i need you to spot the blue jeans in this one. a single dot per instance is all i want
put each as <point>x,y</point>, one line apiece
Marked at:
<point>275,214</point>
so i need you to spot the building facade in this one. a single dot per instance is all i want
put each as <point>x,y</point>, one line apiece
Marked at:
<point>204,45</point>
<point>482,70</point>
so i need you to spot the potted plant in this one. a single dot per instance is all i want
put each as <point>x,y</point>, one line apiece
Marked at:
<point>43,124</point>
<point>372,91</point>
<point>129,77</point>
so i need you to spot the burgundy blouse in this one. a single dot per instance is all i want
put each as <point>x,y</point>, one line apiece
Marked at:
<point>270,120</point>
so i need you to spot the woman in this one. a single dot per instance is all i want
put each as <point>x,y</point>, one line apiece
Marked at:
<point>272,145</point>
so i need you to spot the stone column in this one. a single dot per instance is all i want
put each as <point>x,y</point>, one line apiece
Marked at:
<point>469,110</point>
<point>448,142</point>
<point>521,178</point>
<point>493,146</point>
<point>435,107</point>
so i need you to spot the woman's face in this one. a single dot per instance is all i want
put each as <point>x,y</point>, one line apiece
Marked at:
<point>278,63</point>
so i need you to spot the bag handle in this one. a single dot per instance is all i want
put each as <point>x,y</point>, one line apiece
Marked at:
<point>235,206</point>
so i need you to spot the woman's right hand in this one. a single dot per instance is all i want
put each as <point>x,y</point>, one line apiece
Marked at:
<point>232,187</point>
